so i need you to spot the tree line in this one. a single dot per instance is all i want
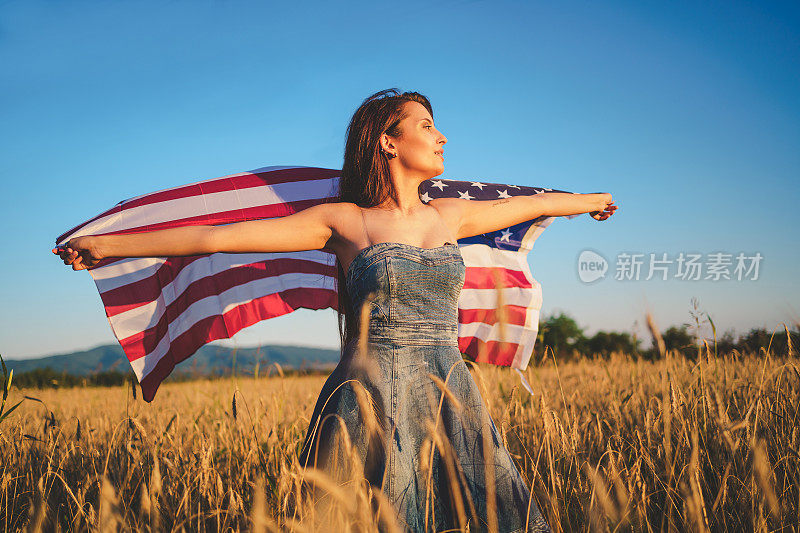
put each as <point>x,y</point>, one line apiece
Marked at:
<point>561,334</point>
<point>558,333</point>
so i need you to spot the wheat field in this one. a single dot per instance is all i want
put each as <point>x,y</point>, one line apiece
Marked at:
<point>607,445</point>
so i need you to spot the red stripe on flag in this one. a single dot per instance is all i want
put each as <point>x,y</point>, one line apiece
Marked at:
<point>225,217</point>
<point>482,278</point>
<point>146,290</point>
<point>226,325</point>
<point>515,315</point>
<point>245,181</point>
<point>149,289</point>
<point>494,352</point>
<point>229,183</point>
<point>144,342</point>
<point>115,209</point>
<point>238,215</point>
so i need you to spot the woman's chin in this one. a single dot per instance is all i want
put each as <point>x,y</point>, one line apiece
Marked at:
<point>431,173</point>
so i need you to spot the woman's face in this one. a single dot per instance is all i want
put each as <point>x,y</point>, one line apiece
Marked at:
<point>420,146</point>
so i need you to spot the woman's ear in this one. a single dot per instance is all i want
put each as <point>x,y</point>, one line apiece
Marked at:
<point>386,144</point>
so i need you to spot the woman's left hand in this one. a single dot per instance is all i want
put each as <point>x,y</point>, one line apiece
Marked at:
<point>605,213</point>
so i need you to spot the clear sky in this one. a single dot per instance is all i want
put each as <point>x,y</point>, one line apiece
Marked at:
<point>687,112</point>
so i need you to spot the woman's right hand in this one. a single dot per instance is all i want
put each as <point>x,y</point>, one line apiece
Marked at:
<point>80,252</point>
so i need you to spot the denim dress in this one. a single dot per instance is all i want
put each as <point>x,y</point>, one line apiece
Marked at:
<point>425,452</point>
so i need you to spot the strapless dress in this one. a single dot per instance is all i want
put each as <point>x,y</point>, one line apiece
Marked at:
<point>430,456</point>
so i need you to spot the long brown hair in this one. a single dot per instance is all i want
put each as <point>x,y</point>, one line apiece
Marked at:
<point>365,179</point>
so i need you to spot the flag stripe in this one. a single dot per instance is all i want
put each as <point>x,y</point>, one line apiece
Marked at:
<point>125,271</point>
<point>234,182</point>
<point>487,298</point>
<point>251,181</point>
<point>132,270</point>
<point>221,327</point>
<point>514,314</point>
<point>484,278</point>
<point>179,273</point>
<point>491,332</point>
<point>141,328</point>
<point>178,216</point>
<point>495,352</point>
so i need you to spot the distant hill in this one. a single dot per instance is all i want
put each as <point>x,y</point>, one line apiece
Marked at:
<point>209,359</point>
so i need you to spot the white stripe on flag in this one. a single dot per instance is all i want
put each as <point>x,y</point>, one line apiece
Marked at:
<point>207,204</point>
<point>125,271</point>
<point>141,318</point>
<point>487,298</point>
<point>491,332</point>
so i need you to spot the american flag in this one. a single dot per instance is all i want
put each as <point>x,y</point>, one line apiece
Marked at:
<point>162,309</point>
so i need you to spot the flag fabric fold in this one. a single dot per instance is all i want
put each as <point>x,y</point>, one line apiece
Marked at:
<point>162,309</point>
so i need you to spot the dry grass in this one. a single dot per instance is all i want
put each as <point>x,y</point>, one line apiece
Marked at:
<point>606,445</point>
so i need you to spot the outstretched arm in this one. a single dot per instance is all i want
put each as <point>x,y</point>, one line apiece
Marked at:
<point>474,217</point>
<point>309,229</point>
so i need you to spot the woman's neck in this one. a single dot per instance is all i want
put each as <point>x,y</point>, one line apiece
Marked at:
<point>408,201</point>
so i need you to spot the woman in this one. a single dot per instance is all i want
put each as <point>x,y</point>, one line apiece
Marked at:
<point>401,394</point>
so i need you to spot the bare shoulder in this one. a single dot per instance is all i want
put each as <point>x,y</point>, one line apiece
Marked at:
<point>342,218</point>
<point>452,212</point>
<point>343,211</point>
<point>335,211</point>
<point>448,205</point>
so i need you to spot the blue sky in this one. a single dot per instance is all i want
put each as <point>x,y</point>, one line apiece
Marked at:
<point>687,113</point>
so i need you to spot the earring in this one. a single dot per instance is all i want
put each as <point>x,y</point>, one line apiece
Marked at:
<point>388,155</point>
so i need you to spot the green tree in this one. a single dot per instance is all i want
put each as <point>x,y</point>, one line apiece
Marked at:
<point>561,333</point>
<point>777,343</point>
<point>605,342</point>
<point>677,338</point>
<point>725,343</point>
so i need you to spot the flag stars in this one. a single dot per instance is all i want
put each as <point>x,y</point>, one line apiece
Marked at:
<point>478,184</point>
<point>438,183</point>
<point>425,198</point>
<point>503,194</point>
<point>465,195</point>
<point>506,235</point>
<point>514,186</point>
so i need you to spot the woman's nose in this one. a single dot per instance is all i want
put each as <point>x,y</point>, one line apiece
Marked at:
<point>442,139</point>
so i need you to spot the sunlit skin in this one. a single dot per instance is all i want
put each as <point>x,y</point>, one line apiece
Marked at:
<point>419,152</point>
<point>414,156</point>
